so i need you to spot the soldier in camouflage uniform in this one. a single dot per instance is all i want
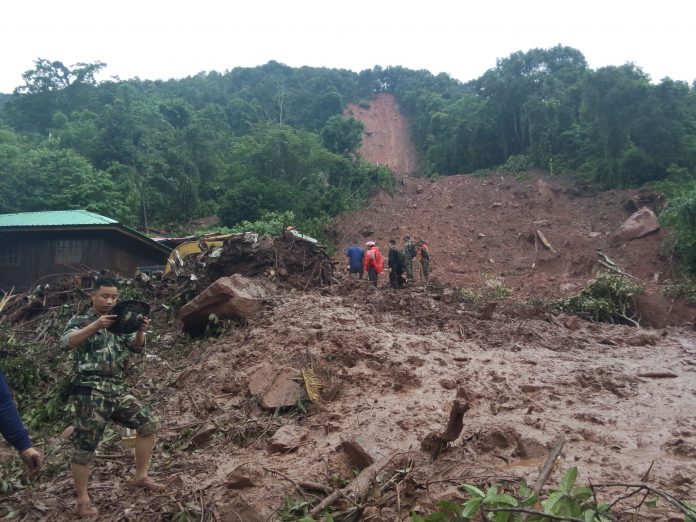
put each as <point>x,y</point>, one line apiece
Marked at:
<point>99,393</point>
<point>409,254</point>
<point>424,255</point>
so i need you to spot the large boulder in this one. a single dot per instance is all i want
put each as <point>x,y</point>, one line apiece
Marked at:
<point>639,224</point>
<point>228,298</point>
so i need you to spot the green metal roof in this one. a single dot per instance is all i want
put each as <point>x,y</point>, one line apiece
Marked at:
<point>55,218</point>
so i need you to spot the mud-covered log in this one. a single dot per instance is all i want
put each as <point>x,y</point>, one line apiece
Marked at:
<point>227,298</point>
<point>436,442</point>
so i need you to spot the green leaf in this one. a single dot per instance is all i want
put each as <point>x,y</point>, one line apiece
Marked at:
<point>501,516</point>
<point>589,515</point>
<point>582,494</point>
<point>415,517</point>
<point>568,480</point>
<point>603,508</point>
<point>567,506</point>
<point>472,507</point>
<point>551,501</point>
<point>449,507</point>
<point>651,503</point>
<point>473,490</point>
<point>529,501</point>
<point>525,491</point>
<point>493,500</point>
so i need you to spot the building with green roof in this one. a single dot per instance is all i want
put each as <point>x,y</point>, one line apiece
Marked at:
<point>38,246</point>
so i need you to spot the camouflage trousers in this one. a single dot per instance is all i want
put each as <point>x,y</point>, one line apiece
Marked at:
<point>93,409</point>
<point>425,268</point>
<point>409,267</point>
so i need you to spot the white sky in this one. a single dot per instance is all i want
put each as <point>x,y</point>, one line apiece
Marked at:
<point>158,39</point>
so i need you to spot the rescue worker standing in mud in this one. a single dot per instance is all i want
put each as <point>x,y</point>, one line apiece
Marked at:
<point>355,256</point>
<point>424,256</point>
<point>99,393</point>
<point>409,255</point>
<point>396,263</point>
<point>373,262</point>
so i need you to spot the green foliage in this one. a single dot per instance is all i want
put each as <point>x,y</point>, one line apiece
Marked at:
<point>608,298</point>
<point>518,163</point>
<point>681,286</point>
<point>680,216</point>
<point>497,506</point>
<point>272,138</point>
<point>271,224</point>
<point>492,289</point>
<point>342,135</point>
<point>41,390</point>
<point>294,510</point>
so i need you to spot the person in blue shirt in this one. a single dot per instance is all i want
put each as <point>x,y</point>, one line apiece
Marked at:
<point>355,259</point>
<point>13,429</point>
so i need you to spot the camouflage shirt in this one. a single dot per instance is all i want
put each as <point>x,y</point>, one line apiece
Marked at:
<point>101,360</point>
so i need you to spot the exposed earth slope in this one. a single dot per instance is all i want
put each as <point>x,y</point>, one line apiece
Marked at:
<point>393,362</point>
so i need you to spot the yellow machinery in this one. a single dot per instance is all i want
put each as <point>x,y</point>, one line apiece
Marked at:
<point>176,258</point>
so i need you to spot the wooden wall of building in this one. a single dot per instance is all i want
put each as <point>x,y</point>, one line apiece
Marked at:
<point>45,253</point>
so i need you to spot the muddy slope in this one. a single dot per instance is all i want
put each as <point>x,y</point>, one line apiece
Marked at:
<point>391,364</point>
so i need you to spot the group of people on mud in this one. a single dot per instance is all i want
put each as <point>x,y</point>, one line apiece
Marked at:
<point>399,261</point>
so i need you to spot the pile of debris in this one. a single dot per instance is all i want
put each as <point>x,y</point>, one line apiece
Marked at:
<point>289,258</point>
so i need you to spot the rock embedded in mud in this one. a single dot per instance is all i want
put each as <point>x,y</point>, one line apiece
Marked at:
<point>239,481</point>
<point>358,456</point>
<point>448,384</point>
<point>639,224</point>
<point>287,438</point>
<point>277,388</point>
<point>227,298</point>
<point>203,435</point>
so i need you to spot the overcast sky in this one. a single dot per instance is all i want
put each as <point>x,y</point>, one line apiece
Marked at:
<point>158,39</point>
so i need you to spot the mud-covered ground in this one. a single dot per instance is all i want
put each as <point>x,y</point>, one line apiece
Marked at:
<point>395,360</point>
<point>392,363</point>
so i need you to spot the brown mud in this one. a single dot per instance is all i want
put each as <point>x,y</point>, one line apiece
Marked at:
<point>393,362</point>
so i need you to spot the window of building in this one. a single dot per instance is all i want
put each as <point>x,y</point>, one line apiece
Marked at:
<point>9,256</point>
<point>68,252</point>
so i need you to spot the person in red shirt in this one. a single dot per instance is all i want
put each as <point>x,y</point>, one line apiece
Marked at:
<point>373,262</point>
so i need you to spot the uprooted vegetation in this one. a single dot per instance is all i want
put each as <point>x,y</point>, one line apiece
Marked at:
<point>608,298</point>
<point>364,376</point>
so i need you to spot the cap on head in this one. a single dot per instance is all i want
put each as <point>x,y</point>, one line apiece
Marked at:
<point>370,243</point>
<point>392,242</point>
<point>407,237</point>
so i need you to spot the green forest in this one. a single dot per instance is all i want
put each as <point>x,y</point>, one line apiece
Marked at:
<point>272,139</point>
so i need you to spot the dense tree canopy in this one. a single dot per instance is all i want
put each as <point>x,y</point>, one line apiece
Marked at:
<point>251,141</point>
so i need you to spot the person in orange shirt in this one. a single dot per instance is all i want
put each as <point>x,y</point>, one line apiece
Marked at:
<point>373,262</point>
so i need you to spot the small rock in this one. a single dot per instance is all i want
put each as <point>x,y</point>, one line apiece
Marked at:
<point>496,205</point>
<point>276,387</point>
<point>287,438</point>
<point>448,384</point>
<point>239,481</point>
<point>356,453</point>
<point>203,435</point>
<point>481,235</point>
<point>67,432</point>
